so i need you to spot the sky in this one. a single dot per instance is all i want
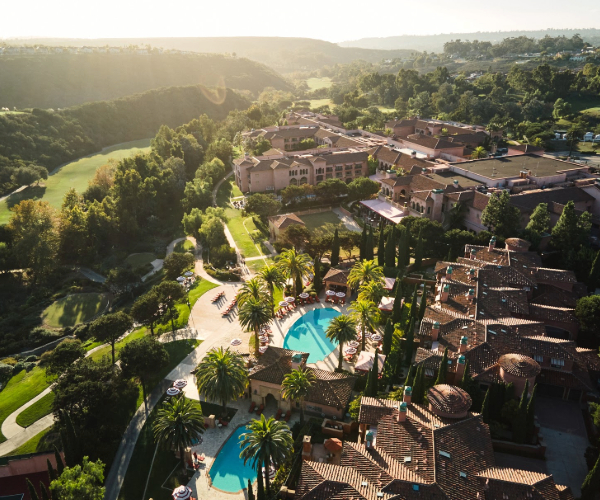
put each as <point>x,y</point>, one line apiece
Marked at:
<point>331,20</point>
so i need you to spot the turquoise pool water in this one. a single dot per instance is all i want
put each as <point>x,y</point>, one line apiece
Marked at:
<point>228,472</point>
<point>307,334</point>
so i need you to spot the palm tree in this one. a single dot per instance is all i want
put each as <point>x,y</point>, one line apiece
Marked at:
<point>178,423</point>
<point>453,219</point>
<point>271,276</point>
<point>296,386</point>
<point>364,313</point>
<point>479,152</point>
<point>253,288</point>
<point>253,314</point>
<point>222,376</point>
<point>295,265</point>
<point>372,291</point>
<point>341,329</point>
<point>364,272</point>
<point>266,441</point>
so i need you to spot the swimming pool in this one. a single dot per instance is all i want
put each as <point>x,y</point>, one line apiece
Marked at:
<point>307,334</point>
<point>228,472</point>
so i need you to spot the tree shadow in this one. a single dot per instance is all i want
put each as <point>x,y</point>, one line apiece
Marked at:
<point>78,306</point>
<point>29,193</point>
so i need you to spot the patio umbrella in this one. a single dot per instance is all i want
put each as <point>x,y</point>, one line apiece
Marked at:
<point>376,337</point>
<point>283,303</point>
<point>188,273</point>
<point>290,299</point>
<point>340,294</point>
<point>172,391</point>
<point>350,350</point>
<point>182,493</point>
<point>263,349</point>
<point>333,444</point>
<point>330,292</point>
<point>180,383</point>
<point>353,343</point>
<point>236,342</point>
<point>303,295</point>
<point>271,471</point>
<point>180,279</point>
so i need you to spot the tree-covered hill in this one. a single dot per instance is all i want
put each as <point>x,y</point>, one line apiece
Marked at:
<point>62,80</point>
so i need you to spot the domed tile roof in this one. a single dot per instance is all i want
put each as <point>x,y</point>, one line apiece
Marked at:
<point>519,365</point>
<point>517,242</point>
<point>449,399</point>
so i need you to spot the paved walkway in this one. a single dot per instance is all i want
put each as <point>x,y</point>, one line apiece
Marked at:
<point>349,222</point>
<point>92,275</point>
<point>216,188</point>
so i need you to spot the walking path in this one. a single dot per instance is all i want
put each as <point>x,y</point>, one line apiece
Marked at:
<point>92,275</point>
<point>349,222</point>
<point>216,188</point>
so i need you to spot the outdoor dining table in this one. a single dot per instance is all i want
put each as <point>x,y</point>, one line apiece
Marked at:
<point>303,295</point>
<point>353,343</point>
<point>330,293</point>
<point>180,383</point>
<point>340,295</point>
<point>283,303</point>
<point>172,391</point>
<point>376,337</point>
<point>290,299</point>
<point>236,342</point>
<point>350,350</point>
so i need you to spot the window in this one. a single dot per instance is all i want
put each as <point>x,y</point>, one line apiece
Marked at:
<point>320,170</point>
<point>429,372</point>
<point>329,169</point>
<point>428,210</point>
<point>319,178</point>
<point>339,175</point>
<point>557,363</point>
<point>358,166</point>
<point>538,358</point>
<point>339,168</point>
<point>348,167</point>
<point>304,180</point>
<point>329,176</point>
<point>293,182</point>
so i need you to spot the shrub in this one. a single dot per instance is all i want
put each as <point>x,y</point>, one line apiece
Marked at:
<point>29,366</point>
<point>31,359</point>
<point>6,371</point>
<point>9,361</point>
<point>18,368</point>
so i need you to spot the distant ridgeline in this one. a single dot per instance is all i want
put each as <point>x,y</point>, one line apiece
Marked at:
<point>50,138</point>
<point>32,78</point>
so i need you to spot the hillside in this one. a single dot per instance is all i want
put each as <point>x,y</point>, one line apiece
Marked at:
<point>435,43</point>
<point>62,80</point>
<point>282,54</point>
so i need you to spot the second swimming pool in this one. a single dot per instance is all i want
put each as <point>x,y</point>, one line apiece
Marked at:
<point>228,472</point>
<point>307,334</point>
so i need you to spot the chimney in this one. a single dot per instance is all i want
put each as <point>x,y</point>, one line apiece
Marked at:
<point>449,271</point>
<point>435,331</point>
<point>402,409</point>
<point>460,369</point>
<point>455,182</point>
<point>473,253</point>
<point>407,394</point>
<point>492,243</point>
<point>471,295</point>
<point>445,293</point>
<point>471,274</point>
<point>297,361</point>
<point>405,210</point>
<point>464,340</point>
<point>306,448</point>
<point>369,439</point>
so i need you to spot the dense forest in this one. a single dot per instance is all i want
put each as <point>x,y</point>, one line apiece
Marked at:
<point>35,142</point>
<point>61,80</point>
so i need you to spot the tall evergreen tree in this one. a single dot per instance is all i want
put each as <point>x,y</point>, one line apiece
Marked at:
<point>374,389</point>
<point>413,304</point>
<point>260,487</point>
<point>591,483</point>
<point>409,338</point>
<point>404,249</point>
<point>410,377</point>
<point>593,281</point>
<point>32,491</point>
<point>531,413</point>
<point>250,491</point>
<point>335,249</point>
<point>45,492</point>
<point>388,337</point>
<point>485,407</point>
<point>318,279</point>
<point>381,246</point>
<point>419,386</point>
<point>370,245</point>
<point>509,392</point>
<point>70,442</point>
<point>363,243</point>
<point>390,250</point>
<point>465,382</point>
<point>60,466</point>
<point>520,422</point>
<point>52,475</point>
<point>443,369</point>
<point>419,252</point>
<point>422,306</point>
<point>397,306</point>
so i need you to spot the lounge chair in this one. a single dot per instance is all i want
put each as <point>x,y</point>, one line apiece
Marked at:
<point>260,409</point>
<point>252,406</point>
<point>278,414</point>
<point>317,298</point>
<point>288,415</point>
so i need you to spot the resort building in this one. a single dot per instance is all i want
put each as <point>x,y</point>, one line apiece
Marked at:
<point>330,394</point>
<point>411,451</point>
<point>511,319</point>
<point>279,223</point>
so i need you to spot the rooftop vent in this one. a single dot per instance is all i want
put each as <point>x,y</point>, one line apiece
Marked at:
<point>407,460</point>
<point>463,475</point>
<point>445,454</point>
<point>415,487</point>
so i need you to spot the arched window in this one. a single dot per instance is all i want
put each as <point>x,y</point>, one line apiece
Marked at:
<point>418,207</point>
<point>413,205</point>
<point>293,182</point>
<point>403,192</point>
<point>304,180</point>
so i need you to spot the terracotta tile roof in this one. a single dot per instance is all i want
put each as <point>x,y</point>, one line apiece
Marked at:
<point>548,295</point>
<point>283,221</point>
<point>520,484</point>
<point>588,358</point>
<point>497,256</point>
<point>372,409</point>
<point>528,200</point>
<point>577,379</point>
<point>354,157</point>
<point>560,314</point>
<point>429,359</point>
<point>555,275</point>
<point>449,399</point>
<point>337,275</point>
<point>480,201</point>
<point>274,365</point>
<point>428,141</point>
<point>519,365</point>
<point>331,388</point>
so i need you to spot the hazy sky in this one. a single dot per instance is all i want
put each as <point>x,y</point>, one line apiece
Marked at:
<point>332,20</point>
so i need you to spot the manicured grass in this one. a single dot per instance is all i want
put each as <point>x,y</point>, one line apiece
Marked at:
<point>44,441</point>
<point>383,109</point>
<point>228,189</point>
<point>136,260</point>
<point>241,236</point>
<point>258,264</point>
<point>319,83</point>
<point>314,221</point>
<point>317,103</point>
<point>74,309</point>
<point>37,410</point>
<point>73,175</point>
<point>106,350</point>
<point>584,104</point>
<point>184,246</point>
<point>20,389</point>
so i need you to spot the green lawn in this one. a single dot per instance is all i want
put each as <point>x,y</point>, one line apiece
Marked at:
<point>37,410</point>
<point>44,441</point>
<point>74,309</point>
<point>20,389</point>
<point>317,103</point>
<point>73,175</point>
<point>319,83</point>
<point>258,264</point>
<point>136,260</point>
<point>228,189</point>
<point>314,221</point>
<point>584,104</point>
<point>106,350</point>
<point>184,246</point>
<point>241,236</point>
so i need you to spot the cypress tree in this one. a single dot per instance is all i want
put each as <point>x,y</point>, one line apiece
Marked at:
<point>32,491</point>
<point>485,407</point>
<point>403,249</point>
<point>443,369</point>
<point>52,475</point>
<point>381,246</point>
<point>363,243</point>
<point>465,382</point>
<point>413,304</point>
<point>531,413</point>
<point>390,250</point>
<point>45,492</point>
<point>410,378</point>
<point>260,488</point>
<point>74,446</point>
<point>317,280</point>
<point>335,249</point>
<point>60,466</point>
<point>374,389</point>
<point>591,483</point>
<point>250,491</point>
<point>520,422</point>
<point>419,252</point>
<point>409,339</point>
<point>422,306</point>
<point>509,392</point>
<point>594,276</point>
<point>388,337</point>
<point>419,386</point>
<point>397,306</point>
<point>369,245</point>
